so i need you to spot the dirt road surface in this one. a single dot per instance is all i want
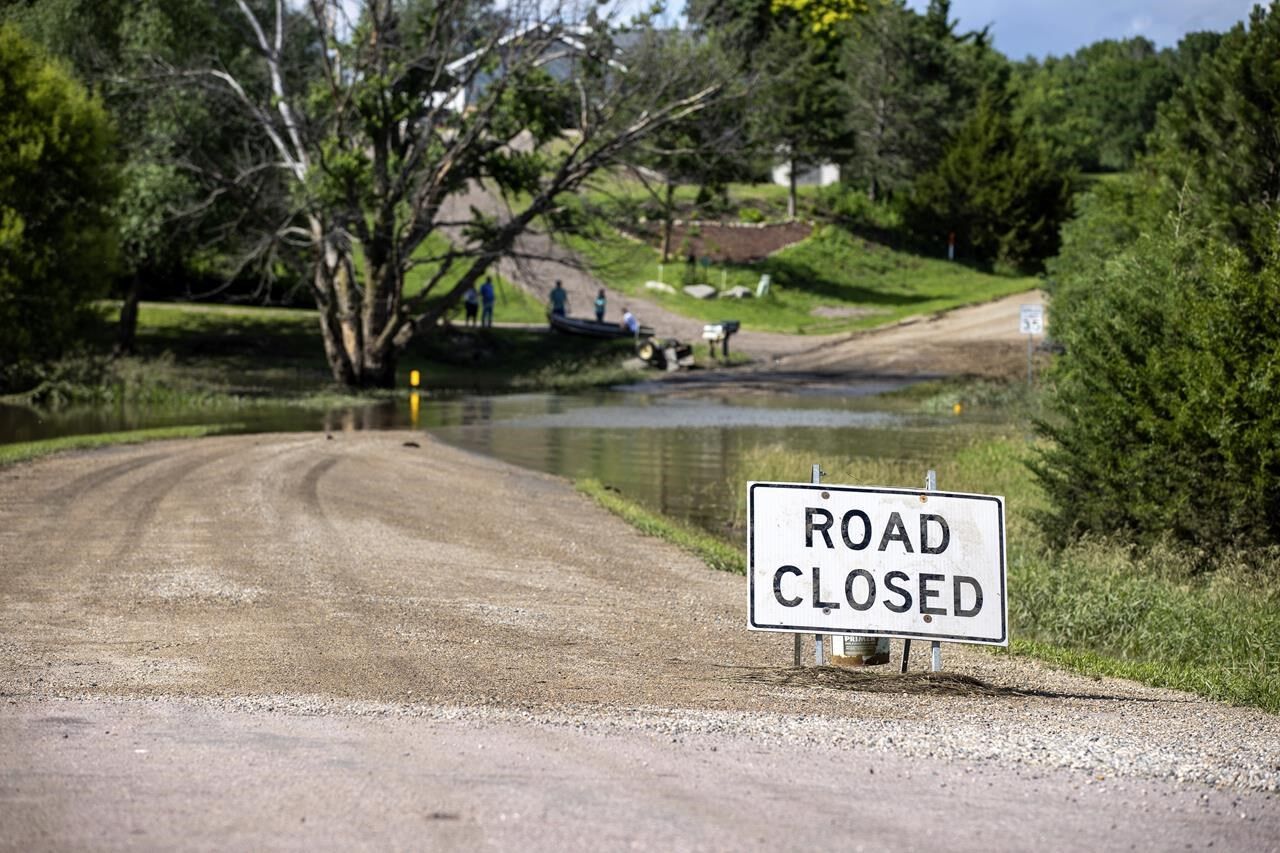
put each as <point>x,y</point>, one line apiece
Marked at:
<point>305,642</point>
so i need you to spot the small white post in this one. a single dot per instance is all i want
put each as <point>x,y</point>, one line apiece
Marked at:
<point>818,656</point>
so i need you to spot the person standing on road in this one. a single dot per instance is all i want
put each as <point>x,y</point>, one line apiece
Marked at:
<point>600,303</point>
<point>559,300</point>
<point>471,300</point>
<point>486,299</point>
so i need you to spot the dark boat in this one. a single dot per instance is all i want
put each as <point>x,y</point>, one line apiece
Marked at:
<point>593,329</point>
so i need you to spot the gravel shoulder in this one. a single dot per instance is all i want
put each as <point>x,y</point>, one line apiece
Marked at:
<point>266,605</point>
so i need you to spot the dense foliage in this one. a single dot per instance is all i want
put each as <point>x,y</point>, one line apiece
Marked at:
<point>996,189</point>
<point>1217,144</point>
<point>1167,300</point>
<point>57,181</point>
<point>1166,423</point>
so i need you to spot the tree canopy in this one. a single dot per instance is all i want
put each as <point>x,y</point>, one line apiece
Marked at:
<point>384,122</point>
<point>1162,408</point>
<point>57,183</point>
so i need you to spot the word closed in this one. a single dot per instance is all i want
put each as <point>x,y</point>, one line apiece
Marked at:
<point>879,562</point>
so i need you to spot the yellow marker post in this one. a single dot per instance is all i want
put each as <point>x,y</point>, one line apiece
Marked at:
<point>413,409</point>
<point>414,378</point>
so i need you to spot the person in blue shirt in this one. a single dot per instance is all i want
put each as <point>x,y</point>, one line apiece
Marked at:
<point>486,302</point>
<point>559,300</point>
<point>600,303</point>
<point>630,322</point>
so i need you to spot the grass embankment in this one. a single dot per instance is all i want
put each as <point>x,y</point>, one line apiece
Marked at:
<point>831,282</point>
<point>714,552</point>
<point>1100,608</point>
<point>219,357</point>
<point>27,450</point>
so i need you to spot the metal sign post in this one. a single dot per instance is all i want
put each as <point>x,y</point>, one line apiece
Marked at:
<point>817,638</point>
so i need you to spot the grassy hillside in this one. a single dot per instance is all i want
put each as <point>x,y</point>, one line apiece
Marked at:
<point>832,282</point>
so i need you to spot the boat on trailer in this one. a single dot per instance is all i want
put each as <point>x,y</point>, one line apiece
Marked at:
<point>593,328</point>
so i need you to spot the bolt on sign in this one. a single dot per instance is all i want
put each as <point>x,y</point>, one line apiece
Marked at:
<point>829,559</point>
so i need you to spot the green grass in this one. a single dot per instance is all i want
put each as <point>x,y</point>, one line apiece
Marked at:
<point>207,357</point>
<point>622,195</point>
<point>27,450</point>
<point>715,553</point>
<point>863,284</point>
<point>519,360</point>
<point>511,304</point>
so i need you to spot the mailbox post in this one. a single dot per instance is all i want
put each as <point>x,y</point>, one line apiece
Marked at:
<point>719,333</point>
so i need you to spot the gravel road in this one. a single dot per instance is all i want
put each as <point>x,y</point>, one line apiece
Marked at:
<point>375,640</point>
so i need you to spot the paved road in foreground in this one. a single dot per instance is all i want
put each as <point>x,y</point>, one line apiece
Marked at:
<point>373,640</point>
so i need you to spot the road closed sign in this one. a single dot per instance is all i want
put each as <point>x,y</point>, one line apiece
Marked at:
<point>829,559</point>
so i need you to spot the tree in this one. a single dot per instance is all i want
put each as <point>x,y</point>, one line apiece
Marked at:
<point>57,181</point>
<point>909,82</point>
<point>380,141</point>
<point>706,148</point>
<point>1162,409</point>
<point>803,114</point>
<point>1163,418</point>
<point>1097,106</point>
<point>185,214</point>
<point>788,50</point>
<point>996,189</point>
<point>1217,144</point>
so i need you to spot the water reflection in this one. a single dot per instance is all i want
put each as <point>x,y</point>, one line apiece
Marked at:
<point>675,450</point>
<point>681,456</point>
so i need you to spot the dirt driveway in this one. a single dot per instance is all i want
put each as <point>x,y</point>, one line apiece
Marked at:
<point>301,641</point>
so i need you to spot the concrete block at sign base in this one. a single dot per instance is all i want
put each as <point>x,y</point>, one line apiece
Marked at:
<point>701,291</point>
<point>659,286</point>
<point>738,292</point>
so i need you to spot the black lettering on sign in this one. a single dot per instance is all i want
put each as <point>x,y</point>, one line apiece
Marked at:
<point>817,594</point>
<point>866,529</point>
<point>956,599</point>
<point>926,594</point>
<point>777,586</point>
<point>871,589</point>
<point>925,547</point>
<point>895,531</point>
<point>810,512</point>
<point>892,587</point>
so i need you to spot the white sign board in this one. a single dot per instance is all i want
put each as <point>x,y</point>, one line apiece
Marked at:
<point>882,562</point>
<point>1031,320</point>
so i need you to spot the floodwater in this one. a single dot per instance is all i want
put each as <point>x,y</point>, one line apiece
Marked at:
<point>677,450</point>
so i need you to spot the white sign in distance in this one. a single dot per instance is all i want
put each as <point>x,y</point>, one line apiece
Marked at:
<point>828,559</point>
<point>1031,320</point>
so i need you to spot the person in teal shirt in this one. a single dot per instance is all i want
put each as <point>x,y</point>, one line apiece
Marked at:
<point>559,300</point>
<point>600,303</point>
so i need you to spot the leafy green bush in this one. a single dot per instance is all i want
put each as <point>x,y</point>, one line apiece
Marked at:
<point>57,244</point>
<point>1163,410</point>
<point>750,214</point>
<point>851,206</point>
